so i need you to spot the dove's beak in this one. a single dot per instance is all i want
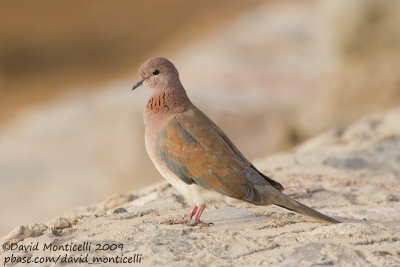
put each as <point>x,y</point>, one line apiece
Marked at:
<point>139,83</point>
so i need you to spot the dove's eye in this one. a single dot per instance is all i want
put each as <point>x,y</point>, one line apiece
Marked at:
<point>156,72</point>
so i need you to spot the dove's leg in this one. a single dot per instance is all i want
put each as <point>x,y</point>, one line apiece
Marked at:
<point>192,212</point>
<point>196,219</point>
<point>193,218</point>
<point>188,217</point>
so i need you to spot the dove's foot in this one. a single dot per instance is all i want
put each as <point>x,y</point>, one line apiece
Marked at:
<point>184,220</point>
<point>189,222</point>
<point>194,223</point>
<point>193,218</point>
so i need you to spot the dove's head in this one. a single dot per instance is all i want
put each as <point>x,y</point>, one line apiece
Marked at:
<point>159,74</point>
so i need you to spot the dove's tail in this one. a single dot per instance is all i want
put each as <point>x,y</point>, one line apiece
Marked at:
<point>277,198</point>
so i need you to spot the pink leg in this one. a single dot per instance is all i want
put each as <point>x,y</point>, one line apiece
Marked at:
<point>193,218</point>
<point>188,217</point>
<point>196,220</point>
<point>192,212</point>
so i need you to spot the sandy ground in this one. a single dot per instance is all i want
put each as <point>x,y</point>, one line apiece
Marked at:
<point>351,174</point>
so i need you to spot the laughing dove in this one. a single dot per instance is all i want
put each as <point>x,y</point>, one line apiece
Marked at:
<point>195,155</point>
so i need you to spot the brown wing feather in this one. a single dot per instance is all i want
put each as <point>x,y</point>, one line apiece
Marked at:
<point>243,158</point>
<point>196,150</point>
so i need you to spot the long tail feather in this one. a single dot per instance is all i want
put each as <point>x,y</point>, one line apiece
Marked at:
<point>277,198</point>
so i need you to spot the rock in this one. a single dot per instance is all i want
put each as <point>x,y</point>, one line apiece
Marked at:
<point>354,163</point>
<point>61,223</point>
<point>120,210</point>
<point>22,232</point>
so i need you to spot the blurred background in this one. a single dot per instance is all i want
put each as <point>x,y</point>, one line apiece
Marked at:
<point>270,73</point>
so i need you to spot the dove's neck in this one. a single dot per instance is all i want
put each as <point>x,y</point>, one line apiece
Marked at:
<point>167,102</point>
